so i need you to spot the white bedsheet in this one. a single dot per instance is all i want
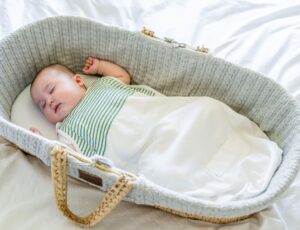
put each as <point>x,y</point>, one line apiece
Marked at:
<point>261,35</point>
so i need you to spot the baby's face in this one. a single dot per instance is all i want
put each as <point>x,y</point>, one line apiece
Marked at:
<point>56,93</point>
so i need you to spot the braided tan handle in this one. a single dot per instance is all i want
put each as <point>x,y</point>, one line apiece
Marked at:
<point>59,178</point>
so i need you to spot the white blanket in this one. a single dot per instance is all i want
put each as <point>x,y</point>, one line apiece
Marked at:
<point>193,145</point>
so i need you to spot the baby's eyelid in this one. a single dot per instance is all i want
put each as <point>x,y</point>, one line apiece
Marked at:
<point>52,89</point>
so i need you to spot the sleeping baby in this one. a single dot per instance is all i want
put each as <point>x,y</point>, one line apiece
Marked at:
<point>194,145</point>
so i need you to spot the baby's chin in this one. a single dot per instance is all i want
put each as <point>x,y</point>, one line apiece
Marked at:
<point>61,114</point>
<point>57,119</point>
<point>60,119</point>
<point>54,121</point>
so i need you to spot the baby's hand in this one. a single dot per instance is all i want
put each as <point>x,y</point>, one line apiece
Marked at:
<point>91,66</point>
<point>36,131</point>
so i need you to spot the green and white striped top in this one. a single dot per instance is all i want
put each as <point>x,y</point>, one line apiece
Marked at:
<point>89,122</point>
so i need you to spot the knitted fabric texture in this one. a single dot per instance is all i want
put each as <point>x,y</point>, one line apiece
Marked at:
<point>171,71</point>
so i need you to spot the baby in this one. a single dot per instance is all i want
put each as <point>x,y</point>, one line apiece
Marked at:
<point>177,142</point>
<point>57,90</point>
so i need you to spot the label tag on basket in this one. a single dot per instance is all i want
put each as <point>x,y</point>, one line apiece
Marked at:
<point>90,178</point>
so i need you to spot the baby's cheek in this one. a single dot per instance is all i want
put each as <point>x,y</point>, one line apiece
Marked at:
<point>50,116</point>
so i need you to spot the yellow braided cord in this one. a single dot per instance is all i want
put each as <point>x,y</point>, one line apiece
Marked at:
<point>59,176</point>
<point>216,220</point>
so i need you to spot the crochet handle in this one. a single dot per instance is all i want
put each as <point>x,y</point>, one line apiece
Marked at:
<point>59,178</point>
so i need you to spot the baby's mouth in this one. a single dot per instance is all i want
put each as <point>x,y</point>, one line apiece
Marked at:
<point>57,107</point>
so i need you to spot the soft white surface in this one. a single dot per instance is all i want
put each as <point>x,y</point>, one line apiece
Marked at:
<point>261,35</point>
<point>192,145</point>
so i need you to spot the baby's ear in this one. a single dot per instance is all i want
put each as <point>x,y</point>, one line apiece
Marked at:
<point>78,79</point>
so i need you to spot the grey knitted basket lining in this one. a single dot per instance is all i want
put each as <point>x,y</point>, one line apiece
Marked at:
<point>172,71</point>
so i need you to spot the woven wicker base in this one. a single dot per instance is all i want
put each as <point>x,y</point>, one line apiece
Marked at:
<point>215,220</point>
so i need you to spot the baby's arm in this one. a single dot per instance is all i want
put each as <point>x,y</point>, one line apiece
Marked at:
<point>106,68</point>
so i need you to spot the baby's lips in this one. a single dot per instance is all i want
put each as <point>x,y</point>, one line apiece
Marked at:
<point>56,107</point>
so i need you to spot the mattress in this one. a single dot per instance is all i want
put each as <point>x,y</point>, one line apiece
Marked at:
<point>271,17</point>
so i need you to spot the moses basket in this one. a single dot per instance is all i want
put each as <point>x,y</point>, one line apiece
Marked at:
<point>170,68</point>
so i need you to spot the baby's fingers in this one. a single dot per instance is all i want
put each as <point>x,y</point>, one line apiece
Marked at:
<point>35,130</point>
<point>86,67</point>
<point>90,61</point>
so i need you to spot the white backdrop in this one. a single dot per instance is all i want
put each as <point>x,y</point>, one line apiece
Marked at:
<point>260,35</point>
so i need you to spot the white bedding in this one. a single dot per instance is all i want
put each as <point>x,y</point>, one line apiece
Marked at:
<point>192,145</point>
<point>260,35</point>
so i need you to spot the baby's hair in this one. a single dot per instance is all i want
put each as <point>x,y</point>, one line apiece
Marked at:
<point>54,66</point>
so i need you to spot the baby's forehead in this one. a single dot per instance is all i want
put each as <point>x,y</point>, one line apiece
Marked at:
<point>44,77</point>
<point>50,74</point>
<point>50,70</point>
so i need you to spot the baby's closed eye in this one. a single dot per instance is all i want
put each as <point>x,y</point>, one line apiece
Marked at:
<point>52,89</point>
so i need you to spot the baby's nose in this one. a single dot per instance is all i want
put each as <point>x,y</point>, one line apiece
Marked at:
<point>50,102</point>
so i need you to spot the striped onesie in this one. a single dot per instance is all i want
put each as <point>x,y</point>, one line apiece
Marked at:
<point>87,126</point>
